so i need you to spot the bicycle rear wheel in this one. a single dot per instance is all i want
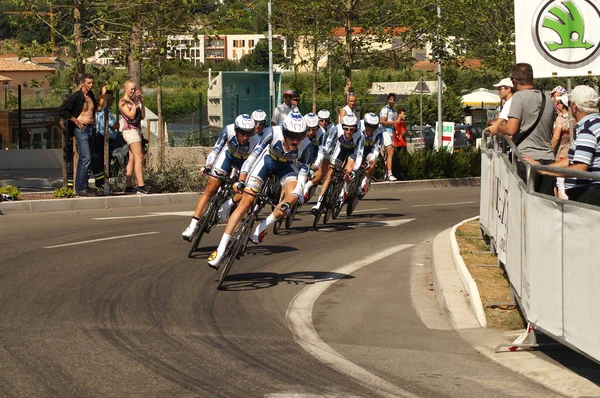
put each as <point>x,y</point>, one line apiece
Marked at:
<point>277,226</point>
<point>337,208</point>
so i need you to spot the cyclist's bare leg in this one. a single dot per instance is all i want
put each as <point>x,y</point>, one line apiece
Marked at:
<point>317,177</point>
<point>289,197</point>
<point>210,191</point>
<point>324,187</point>
<point>347,169</point>
<point>368,175</point>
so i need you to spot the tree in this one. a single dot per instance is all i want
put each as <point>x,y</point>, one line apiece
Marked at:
<point>259,58</point>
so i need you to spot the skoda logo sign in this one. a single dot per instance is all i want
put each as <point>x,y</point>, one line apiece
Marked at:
<point>566,33</point>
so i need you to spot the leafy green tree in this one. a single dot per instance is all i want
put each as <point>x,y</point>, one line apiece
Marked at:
<point>259,58</point>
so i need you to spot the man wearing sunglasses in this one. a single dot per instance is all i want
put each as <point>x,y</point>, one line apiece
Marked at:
<point>284,153</point>
<point>234,146</point>
<point>283,109</point>
<point>348,143</point>
<point>316,135</point>
<point>260,118</point>
<point>373,142</point>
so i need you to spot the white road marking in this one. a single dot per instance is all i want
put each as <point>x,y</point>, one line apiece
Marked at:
<point>299,317</point>
<point>157,214</point>
<point>445,204</point>
<point>367,210</point>
<point>101,240</point>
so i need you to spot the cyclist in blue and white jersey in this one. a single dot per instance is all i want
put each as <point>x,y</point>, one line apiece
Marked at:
<point>316,134</point>
<point>373,142</point>
<point>325,123</point>
<point>284,153</point>
<point>349,143</point>
<point>260,118</point>
<point>234,146</point>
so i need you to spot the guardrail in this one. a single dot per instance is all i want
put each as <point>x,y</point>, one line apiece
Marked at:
<point>547,246</point>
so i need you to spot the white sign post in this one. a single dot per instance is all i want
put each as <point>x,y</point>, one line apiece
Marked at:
<point>558,38</point>
<point>447,136</point>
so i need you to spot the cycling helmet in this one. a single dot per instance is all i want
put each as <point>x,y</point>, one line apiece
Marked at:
<point>324,114</point>
<point>349,120</point>
<point>294,123</point>
<point>259,116</point>
<point>371,120</point>
<point>312,120</point>
<point>244,123</point>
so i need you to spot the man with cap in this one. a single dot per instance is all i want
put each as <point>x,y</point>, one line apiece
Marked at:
<point>505,91</point>
<point>584,154</point>
<point>283,109</point>
<point>529,123</point>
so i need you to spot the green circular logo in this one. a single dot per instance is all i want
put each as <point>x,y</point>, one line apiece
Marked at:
<point>563,32</point>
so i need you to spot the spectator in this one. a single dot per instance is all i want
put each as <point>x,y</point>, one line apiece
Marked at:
<point>349,108</point>
<point>98,146</point>
<point>584,154</point>
<point>506,90</point>
<point>388,118</point>
<point>400,130</point>
<point>295,103</point>
<point>561,140</point>
<point>283,109</point>
<point>530,125</point>
<point>79,109</point>
<point>133,111</point>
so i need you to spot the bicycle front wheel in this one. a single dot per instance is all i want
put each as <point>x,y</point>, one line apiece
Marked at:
<point>203,226</point>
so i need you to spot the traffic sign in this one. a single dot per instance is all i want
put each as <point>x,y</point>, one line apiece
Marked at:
<point>421,87</point>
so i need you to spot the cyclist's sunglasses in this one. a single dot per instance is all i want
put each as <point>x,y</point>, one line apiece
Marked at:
<point>294,136</point>
<point>346,128</point>
<point>245,133</point>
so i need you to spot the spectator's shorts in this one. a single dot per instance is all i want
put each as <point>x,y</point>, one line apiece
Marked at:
<point>388,138</point>
<point>131,136</point>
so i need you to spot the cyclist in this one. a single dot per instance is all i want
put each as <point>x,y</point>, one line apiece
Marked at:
<point>260,118</point>
<point>373,141</point>
<point>233,147</point>
<point>349,145</point>
<point>316,134</point>
<point>284,153</point>
<point>325,122</point>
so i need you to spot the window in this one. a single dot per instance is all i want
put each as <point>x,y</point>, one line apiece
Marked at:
<point>250,43</point>
<point>234,54</point>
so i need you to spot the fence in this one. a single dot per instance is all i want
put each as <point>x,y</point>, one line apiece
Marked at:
<point>547,246</point>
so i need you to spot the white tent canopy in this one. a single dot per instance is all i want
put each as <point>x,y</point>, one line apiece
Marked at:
<point>481,96</point>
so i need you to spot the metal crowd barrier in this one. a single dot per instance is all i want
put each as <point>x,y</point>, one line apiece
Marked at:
<point>547,246</point>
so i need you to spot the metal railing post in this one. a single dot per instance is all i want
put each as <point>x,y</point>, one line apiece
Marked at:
<point>200,106</point>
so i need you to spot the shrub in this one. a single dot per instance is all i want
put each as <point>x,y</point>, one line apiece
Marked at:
<point>437,164</point>
<point>63,193</point>
<point>176,177</point>
<point>12,191</point>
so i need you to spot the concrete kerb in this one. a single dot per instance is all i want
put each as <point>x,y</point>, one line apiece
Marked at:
<point>455,302</point>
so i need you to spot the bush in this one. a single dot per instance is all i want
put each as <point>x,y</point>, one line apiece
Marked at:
<point>437,164</point>
<point>12,191</point>
<point>63,193</point>
<point>176,177</point>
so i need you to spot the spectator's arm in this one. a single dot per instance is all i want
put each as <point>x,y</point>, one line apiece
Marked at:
<point>510,128</point>
<point>556,132</point>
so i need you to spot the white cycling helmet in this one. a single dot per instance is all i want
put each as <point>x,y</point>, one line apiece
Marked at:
<point>349,120</point>
<point>294,123</point>
<point>324,114</point>
<point>371,120</point>
<point>244,123</point>
<point>259,116</point>
<point>312,120</point>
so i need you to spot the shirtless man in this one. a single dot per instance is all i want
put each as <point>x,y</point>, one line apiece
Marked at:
<point>79,109</point>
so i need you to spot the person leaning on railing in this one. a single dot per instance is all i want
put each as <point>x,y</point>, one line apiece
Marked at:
<point>529,124</point>
<point>584,154</point>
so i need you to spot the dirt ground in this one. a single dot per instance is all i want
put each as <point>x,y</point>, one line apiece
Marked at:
<point>491,280</point>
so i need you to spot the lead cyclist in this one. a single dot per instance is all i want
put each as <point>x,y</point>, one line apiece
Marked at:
<point>373,142</point>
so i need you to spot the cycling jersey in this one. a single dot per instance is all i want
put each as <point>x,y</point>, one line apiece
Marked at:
<point>373,142</point>
<point>228,152</point>
<point>266,131</point>
<point>271,158</point>
<point>342,147</point>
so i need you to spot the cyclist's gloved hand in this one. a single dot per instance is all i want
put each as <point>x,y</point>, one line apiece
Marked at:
<point>352,175</point>
<point>285,208</point>
<point>311,174</point>
<point>239,186</point>
<point>206,170</point>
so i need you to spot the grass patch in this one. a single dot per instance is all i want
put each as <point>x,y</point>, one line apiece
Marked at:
<point>491,281</point>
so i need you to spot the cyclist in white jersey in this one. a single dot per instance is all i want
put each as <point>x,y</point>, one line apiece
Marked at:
<point>284,153</point>
<point>349,143</point>
<point>316,135</point>
<point>234,146</point>
<point>373,141</point>
<point>349,108</point>
<point>260,118</point>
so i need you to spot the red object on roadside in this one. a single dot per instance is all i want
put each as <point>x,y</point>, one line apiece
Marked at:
<point>399,131</point>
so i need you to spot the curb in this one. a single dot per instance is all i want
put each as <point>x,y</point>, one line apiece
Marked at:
<point>33,206</point>
<point>457,304</point>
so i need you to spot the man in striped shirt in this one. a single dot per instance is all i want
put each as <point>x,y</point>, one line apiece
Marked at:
<point>584,154</point>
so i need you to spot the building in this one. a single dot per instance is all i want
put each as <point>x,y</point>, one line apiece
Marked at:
<point>33,78</point>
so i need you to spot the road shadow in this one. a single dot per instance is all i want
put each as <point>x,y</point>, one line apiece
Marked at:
<point>265,280</point>
<point>367,199</point>
<point>251,250</point>
<point>570,359</point>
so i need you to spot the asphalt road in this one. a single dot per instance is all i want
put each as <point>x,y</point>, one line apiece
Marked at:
<point>105,303</point>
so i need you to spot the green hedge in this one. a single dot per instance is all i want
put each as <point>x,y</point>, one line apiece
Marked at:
<point>437,164</point>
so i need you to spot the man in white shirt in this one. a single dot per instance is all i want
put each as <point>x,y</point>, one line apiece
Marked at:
<point>283,109</point>
<point>505,91</point>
